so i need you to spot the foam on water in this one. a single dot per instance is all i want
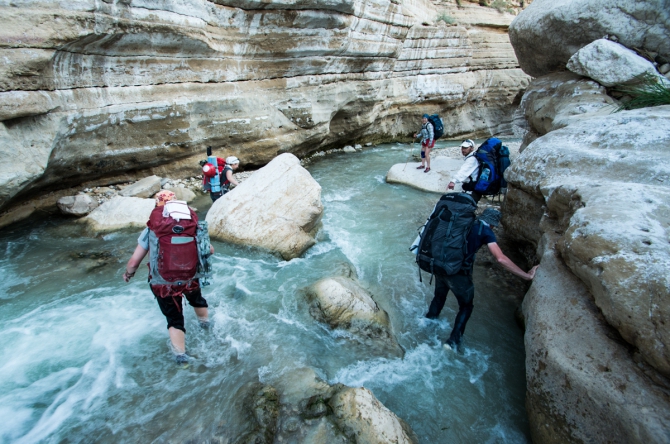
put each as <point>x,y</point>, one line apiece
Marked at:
<point>85,353</point>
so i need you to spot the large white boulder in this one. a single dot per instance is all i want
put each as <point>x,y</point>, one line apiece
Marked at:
<point>442,169</point>
<point>342,303</point>
<point>79,205</point>
<point>610,63</point>
<point>276,209</point>
<point>547,33</point>
<point>119,213</point>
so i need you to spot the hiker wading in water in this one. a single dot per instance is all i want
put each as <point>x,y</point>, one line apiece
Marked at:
<point>475,234</point>
<point>427,134</point>
<point>172,229</point>
<point>468,171</point>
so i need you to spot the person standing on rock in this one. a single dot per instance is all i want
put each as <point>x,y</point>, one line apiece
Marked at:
<point>469,170</point>
<point>427,134</point>
<point>170,238</point>
<point>461,283</point>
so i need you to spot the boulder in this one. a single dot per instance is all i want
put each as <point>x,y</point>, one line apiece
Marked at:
<point>342,303</point>
<point>182,193</point>
<point>119,213</point>
<point>362,416</point>
<point>582,172</point>
<point>610,63</point>
<point>442,169</point>
<point>548,32</point>
<point>582,384</point>
<point>146,187</point>
<point>79,205</point>
<point>276,209</point>
<point>298,406</point>
<point>555,100</point>
<point>349,149</point>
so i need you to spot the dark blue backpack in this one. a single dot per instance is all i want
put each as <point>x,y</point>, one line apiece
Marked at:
<point>493,160</point>
<point>438,126</point>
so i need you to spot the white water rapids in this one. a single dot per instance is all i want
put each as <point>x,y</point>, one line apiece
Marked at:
<point>84,355</point>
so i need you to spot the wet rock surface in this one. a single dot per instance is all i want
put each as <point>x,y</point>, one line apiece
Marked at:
<point>276,209</point>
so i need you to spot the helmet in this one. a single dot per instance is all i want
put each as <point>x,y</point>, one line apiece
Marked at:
<point>232,160</point>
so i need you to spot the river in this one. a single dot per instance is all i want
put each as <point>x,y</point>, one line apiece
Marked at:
<point>85,359</point>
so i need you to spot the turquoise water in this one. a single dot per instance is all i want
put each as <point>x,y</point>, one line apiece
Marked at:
<point>85,356</point>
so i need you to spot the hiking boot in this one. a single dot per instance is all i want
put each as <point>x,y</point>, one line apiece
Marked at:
<point>450,346</point>
<point>420,167</point>
<point>181,358</point>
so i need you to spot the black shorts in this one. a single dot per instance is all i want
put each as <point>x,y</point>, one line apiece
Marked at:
<point>171,307</point>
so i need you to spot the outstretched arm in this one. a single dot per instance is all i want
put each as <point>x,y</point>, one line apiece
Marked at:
<point>134,262</point>
<point>231,178</point>
<point>508,265</point>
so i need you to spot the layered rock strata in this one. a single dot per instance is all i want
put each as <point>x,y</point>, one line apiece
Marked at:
<point>103,89</point>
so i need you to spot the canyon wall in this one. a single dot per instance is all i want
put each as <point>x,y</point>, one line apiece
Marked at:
<point>98,91</point>
<point>590,193</point>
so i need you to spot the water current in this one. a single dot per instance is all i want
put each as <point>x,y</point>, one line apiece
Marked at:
<point>85,359</point>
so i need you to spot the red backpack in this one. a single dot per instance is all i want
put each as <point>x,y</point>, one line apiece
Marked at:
<point>173,249</point>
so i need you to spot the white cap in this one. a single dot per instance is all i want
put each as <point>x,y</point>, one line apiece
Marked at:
<point>467,144</point>
<point>232,160</point>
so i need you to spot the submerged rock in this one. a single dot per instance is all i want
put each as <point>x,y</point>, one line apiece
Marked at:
<point>342,303</point>
<point>277,209</point>
<point>119,213</point>
<point>298,406</point>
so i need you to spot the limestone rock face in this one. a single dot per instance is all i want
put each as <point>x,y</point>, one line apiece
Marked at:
<point>583,386</point>
<point>368,420</point>
<point>597,191</point>
<point>146,187</point>
<point>275,209</point>
<point>119,213</point>
<point>105,89</point>
<point>342,303</point>
<point>556,100</point>
<point>610,64</point>
<point>79,205</point>
<point>547,33</point>
<point>620,250</point>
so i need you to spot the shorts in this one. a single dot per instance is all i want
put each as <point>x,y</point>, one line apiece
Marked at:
<point>171,307</point>
<point>425,144</point>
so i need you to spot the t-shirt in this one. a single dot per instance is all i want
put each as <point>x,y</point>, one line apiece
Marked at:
<point>480,234</point>
<point>143,240</point>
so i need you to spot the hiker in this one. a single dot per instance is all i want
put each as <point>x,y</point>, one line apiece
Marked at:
<point>232,163</point>
<point>455,271</point>
<point>427,134</point>
<point>217,179</point>
<point>469,170</point>
<point>182,221</point>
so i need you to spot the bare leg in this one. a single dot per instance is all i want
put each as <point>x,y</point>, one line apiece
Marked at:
<point>428,157</point>
<point>178,340</point>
